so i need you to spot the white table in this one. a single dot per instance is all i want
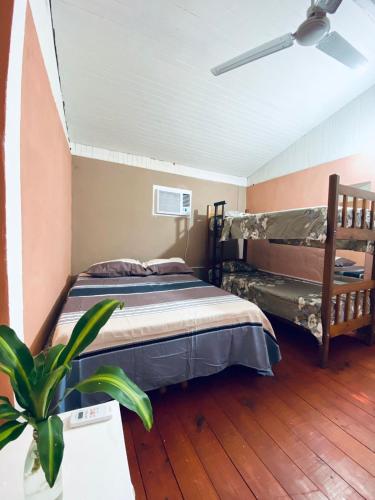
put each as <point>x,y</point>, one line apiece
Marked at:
<point>95,465</point>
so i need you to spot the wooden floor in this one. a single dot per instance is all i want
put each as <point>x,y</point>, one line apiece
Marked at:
<point>306,433</point>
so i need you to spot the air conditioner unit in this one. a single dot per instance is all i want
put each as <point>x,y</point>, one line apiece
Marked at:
<point>171,201</point>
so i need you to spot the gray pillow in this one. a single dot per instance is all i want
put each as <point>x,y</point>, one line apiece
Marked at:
<point>117,268</point>
<point>342,262</point>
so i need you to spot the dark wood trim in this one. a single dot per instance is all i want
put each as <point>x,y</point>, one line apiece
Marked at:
<point>353,287</point>
<point>356,193</point>
<point>355,233</point>
<point>244,250</point>
<point>330,290</point>
<point>363,217</point>
<point>215,246</point>
<point>329,265</point>
<point>344,210</point>
<point>350,325</point>
<point>371,337</point>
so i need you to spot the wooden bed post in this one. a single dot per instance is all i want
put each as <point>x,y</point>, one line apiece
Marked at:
<point>329,266</point>
<point>213,241</point>
<point>371,337</point>
<point>244,251</point>
<point>221,244</point>
<point>214,250</point>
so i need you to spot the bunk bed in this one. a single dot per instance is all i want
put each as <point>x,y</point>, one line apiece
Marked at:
<point>341,304</point>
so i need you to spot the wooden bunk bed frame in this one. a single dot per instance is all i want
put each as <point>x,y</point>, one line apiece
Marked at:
<point>216,263</point>
<point>363,290</point>
<point>366,288</point>
<point>215,248</point>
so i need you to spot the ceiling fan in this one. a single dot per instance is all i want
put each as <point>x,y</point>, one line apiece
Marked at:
<point>314,31</point>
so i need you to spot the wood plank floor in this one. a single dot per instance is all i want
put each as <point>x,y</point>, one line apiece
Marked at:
<point>306,433</point>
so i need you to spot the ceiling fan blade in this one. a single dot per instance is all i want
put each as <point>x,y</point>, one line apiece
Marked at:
<point>266,49</point>
<point>340,49</point>
<point>329,6</point>
<point>368,6</point>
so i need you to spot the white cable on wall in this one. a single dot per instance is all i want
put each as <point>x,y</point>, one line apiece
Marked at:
<point>187,238</point>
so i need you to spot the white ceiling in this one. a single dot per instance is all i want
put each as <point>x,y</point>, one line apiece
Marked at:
<point>135,78</point>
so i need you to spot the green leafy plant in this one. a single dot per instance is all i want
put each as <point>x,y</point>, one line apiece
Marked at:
<point>35,381</point>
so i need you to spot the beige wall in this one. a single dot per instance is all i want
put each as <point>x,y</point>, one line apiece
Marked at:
<point>112,214</point>
<point>305,188</point>
<point>45,194</point>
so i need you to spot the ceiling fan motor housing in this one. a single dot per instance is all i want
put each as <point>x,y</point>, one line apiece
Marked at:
<point>316,27</point>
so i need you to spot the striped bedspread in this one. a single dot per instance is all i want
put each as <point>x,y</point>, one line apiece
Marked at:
<point>156,308</point>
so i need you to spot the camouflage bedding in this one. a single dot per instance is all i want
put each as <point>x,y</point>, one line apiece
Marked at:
<point>304,226</point>
<point>293,299</point>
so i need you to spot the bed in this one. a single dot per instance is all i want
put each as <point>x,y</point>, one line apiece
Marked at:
<point>293,299</point>
<point>347,222</point>
<point>301,227</point>
<point>172,328</point>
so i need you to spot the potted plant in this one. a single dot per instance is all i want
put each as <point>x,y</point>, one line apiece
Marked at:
<point>35,380</point>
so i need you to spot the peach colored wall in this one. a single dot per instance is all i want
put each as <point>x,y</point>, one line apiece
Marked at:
<point>45,192</point>
<point>5,30</point>
<point>305,188</point>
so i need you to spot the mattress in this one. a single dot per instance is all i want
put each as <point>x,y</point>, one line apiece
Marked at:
<point>156,307</point>
<point>303,226</point>
<point>172,328</point>
<point>294,299</point>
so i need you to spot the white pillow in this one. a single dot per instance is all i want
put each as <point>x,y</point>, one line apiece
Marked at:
<point>175,265</point>
<point>155,262</point>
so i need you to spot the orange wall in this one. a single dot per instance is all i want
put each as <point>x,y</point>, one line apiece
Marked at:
<point>45,192</point>
<point>303,189</point>
<point>5,30</point>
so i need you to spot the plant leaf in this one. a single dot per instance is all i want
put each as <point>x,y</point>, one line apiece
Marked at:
<point>39,367</point>
<point>6,370</point>
<point>40,360</point>
<point>14,354</point>
<point>113,381</point>
<point>17,361</point>
<point>51,354</point>
<point>16,382</point>
<point>50,443</point>
<point>7,411</point>
<point>23,391</point>
<point>45,390</point>
<point>86,330</point>
<point>10,431</point>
